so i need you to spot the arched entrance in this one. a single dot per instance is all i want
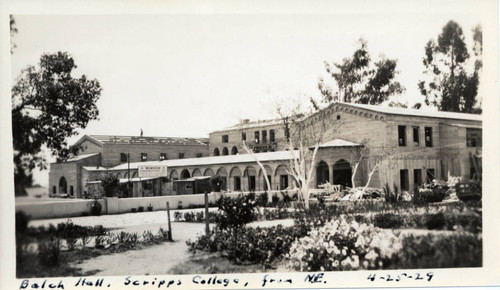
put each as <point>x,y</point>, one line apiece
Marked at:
<point>322,173</point>
<point>196,172</point>
<point>63,186</point>
<point>342,173</point>
<point>234,150</point>
<point>174,175</point>
<point>225,151</point>
<point>208,172</point>
<point>216,152</point>
<point>185,174</point>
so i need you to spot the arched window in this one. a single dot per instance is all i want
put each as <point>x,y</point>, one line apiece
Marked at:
<point>225,151</point>
<point>63,187</point>
<point>185,174</point>
<point>216,152</point>
<point>234,150</point>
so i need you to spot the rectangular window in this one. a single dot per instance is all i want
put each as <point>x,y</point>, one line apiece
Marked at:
<point>257,137</point>
<point>181,155</point>
<point>163,156</point>
<point>402,135</point>
<point>403,179</point>
<point>71,191</point>
<point>243,136</point>
<point>198,155</point>
<point>417,176</point>
<point>430,175</point>
<point>428,136</point>
<point>147,185</point>
<point>225,138</point>
<point>283,182</point>
<point>144,157</point>
<point>251,183</point>
<point>271,136</point>
<point>264,136</point>
<point>123,157</point>
<point>416,136</point>
<point>474,137</point>
<point>237,183</point>
<point>265,183</point>
<point>54,190</point>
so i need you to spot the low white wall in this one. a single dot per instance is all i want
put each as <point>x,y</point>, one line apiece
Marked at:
<point>79,207</point>
<point>160,202</point>
<point>58,209</point>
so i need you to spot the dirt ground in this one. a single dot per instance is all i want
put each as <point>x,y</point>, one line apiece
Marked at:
<point>153,260</point>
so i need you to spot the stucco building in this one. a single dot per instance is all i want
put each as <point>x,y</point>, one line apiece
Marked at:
<point>408,146</point>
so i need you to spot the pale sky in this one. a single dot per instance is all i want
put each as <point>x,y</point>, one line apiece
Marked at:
<point>190,74</point>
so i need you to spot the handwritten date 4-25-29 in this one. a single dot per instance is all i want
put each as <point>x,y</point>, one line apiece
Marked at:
<point>401,277</point>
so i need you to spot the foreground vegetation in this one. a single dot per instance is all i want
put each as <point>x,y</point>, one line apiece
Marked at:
<point>49,252</point>
<point>367,234</point>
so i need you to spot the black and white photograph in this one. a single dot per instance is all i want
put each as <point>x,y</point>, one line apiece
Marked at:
<point>245,145</point>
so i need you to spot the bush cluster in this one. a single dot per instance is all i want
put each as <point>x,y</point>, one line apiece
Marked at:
<point>65,230</point>
<point>430,192</point>
<point>322,238</point>
<point>344,244</point>
<point>388,220</point>
<point>252,245</point>
<point>440,251</point>
<point>195,217</point>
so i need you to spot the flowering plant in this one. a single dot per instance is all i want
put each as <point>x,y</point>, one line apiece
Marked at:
<point>344,244</point>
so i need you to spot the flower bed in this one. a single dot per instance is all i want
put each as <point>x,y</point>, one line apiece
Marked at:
<point>347,245</point>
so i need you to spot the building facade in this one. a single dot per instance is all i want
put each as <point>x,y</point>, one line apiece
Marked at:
<point>406,147</point>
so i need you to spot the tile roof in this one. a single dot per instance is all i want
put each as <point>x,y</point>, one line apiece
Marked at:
<point>203,161</point>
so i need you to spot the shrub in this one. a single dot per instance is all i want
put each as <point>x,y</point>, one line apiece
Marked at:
<point>441,251</point>
<point>388,220</point>
<point>435,221</point>
<point>177,216</point>
<point>49,251</point>
<point>391,196</point>
<point>22,220</point>
<point>163,234</point>
<point>275,199</point>
<point>95,207</point>
<point>148,237</point>
<point>344,245</point>
<point>189,217</point>
<point>262,199</point>
<point>235,212</point>
<point>110,184</point>
<point>431,192</point>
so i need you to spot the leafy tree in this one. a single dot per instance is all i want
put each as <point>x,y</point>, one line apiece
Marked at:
<point>110,184</point>
<point>360,81</point>
<point>449,86</point>
<point>48,106</point>
<point>13,31</point>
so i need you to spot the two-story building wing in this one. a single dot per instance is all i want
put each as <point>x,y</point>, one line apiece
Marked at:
<point>409,147</point>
